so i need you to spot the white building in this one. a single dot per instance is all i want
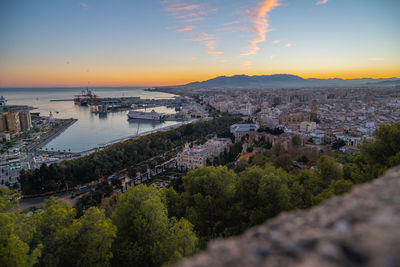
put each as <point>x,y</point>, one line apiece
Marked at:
<point>191,158</point>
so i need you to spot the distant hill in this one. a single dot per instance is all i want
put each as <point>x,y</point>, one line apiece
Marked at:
<point>287,81</point>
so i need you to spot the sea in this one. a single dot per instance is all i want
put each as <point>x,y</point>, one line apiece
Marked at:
<point>90,130</point>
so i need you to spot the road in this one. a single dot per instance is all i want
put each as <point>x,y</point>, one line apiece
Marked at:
<point>37,201</point>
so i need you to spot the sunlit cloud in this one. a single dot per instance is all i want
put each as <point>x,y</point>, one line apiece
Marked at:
<point>260,24</point>
<point>276,41</point>
<point>288,45</point>
<point>322,2</point>
<point>185,28</point>
<point>376,59</point>
<point>231,23</point>
<point>194,20</point>
<point>209,42</point>
<point>188,12</point>
<point>193,58</point>
<point>177,7</point>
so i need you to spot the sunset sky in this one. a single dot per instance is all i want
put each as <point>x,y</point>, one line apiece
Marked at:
<point>166,42</point>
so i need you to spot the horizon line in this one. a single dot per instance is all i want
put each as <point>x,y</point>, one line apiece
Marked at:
<point>153,86</point>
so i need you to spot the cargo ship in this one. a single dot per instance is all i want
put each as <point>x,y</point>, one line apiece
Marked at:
<point>86,98</point>
<point>141,115</point>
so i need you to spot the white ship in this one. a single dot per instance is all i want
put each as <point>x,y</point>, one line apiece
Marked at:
<point>141,115</point>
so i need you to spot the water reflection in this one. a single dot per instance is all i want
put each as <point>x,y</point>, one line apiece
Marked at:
<point>91,129</point>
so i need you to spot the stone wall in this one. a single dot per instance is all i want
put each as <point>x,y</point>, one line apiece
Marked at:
<point>361,228</point>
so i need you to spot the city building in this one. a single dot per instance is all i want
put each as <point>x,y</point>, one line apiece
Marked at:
<point>191,158</point>
<point>14,118</point>
<point>25,120</point>
<point>308,126</point>
<point>241,130</point>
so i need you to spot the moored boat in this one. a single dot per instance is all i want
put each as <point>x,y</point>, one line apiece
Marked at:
<point>141,115</point>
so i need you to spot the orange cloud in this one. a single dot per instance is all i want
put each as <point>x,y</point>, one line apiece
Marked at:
<point>209,42</point>
<point>260,24</point>
<point>181,7</point>
<point>185,28</point>
<point>322,2</point>
<point>189,12</point>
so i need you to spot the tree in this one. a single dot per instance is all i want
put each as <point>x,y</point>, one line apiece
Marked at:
<point>209,194</point>
<point>142,223</point>
<point>183,241</point>
<point>341,186</point>
<point>274,193</point>
<point>329,170</point>
<point>378,155</point>
<point>145,235</point>
<point>16,231</point>
<point>312,184</point>
<point>88,240</point>
<point>338,143</point>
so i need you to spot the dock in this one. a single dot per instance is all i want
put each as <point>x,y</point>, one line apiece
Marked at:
<point>59,100</point>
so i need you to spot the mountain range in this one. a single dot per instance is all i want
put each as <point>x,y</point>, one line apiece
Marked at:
<point>287,81</point>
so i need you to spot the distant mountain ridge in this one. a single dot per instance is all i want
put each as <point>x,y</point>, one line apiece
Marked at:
<point>287,81</point>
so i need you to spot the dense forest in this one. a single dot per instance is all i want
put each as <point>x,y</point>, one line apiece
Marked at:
<point>119,156</point>
<point>152,227</point>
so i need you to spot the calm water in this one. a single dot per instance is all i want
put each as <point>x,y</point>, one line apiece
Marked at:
<point>91,130</point>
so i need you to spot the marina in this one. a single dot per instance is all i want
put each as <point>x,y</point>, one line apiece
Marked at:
<point>91,129</point>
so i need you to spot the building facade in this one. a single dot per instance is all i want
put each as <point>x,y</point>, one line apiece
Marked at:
<point>191,158</point>
<point>241,130</point>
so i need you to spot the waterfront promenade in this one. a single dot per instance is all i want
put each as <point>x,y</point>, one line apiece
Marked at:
<point>52,134</point>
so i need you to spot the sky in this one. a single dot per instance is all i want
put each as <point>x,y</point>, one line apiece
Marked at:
<point>166,42</point>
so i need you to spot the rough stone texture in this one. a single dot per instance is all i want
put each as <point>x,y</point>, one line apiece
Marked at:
<point>361,228</point>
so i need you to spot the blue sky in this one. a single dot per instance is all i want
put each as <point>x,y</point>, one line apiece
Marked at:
<point>121,42</point>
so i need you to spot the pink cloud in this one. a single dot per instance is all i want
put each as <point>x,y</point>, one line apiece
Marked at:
<point>276,41</point>
<point>181,7</point>
<point>209,42</point>
<point>322,2</point>
<point>194,19</point>
<point>260,24</point>
<point>231,23</point>
<point>185,28</point>
<point>182,10</point>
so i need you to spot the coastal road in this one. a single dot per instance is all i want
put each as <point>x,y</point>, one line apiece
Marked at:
<point>37,201</point>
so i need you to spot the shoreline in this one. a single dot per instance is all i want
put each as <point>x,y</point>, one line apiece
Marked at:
<point>131,137</point>
<point>66,123</point>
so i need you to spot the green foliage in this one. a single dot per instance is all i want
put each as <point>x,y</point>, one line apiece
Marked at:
<point>379,155</point>
<point>94,198</point>
<point>329,170</point>
<point>275,131</point>
<point>145,235</point>
<point>53,236</point>
<point>15,233</point>
<point>87,241</point>
<point>338,143</point>
<point>209,194</point>
<point>152,227</point>
<point>117,157</point>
